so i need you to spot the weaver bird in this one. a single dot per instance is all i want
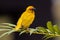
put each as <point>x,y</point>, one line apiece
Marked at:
<point>26,18</point>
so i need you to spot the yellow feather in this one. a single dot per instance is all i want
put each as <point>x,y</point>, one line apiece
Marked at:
<point>26,18</point>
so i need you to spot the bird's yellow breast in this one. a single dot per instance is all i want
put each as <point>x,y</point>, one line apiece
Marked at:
<point>28,19</point>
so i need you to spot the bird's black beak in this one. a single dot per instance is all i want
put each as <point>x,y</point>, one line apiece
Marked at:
<point>34,8</point>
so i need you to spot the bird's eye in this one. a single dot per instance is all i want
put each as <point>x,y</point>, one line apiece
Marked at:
<point>31,9</point>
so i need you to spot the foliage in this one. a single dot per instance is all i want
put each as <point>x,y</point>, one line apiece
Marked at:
<point>49,32</point>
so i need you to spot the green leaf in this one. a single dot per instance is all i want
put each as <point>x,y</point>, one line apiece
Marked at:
<point>22,32</point>
<point>9,24</point>
<point>41,29</point>
<point>50,27</point>
<point>56,29</point>
<point>7,33</point>
<point>5,29</point>
<point>46,35</point>
<point>49,37</point>
<point>32,30</point>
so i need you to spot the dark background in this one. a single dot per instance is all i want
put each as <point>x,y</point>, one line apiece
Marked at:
<point>14,8</point>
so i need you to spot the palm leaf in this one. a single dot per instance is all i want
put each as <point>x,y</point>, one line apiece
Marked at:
<point>7,33</point>
<point>41,29</point>
<point>9,24</point>
<point>5,29</point>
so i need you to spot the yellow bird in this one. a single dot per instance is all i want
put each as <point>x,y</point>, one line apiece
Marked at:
<point>26,18</point>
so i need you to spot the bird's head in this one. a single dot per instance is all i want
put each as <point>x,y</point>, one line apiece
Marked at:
<point>30,8</point>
